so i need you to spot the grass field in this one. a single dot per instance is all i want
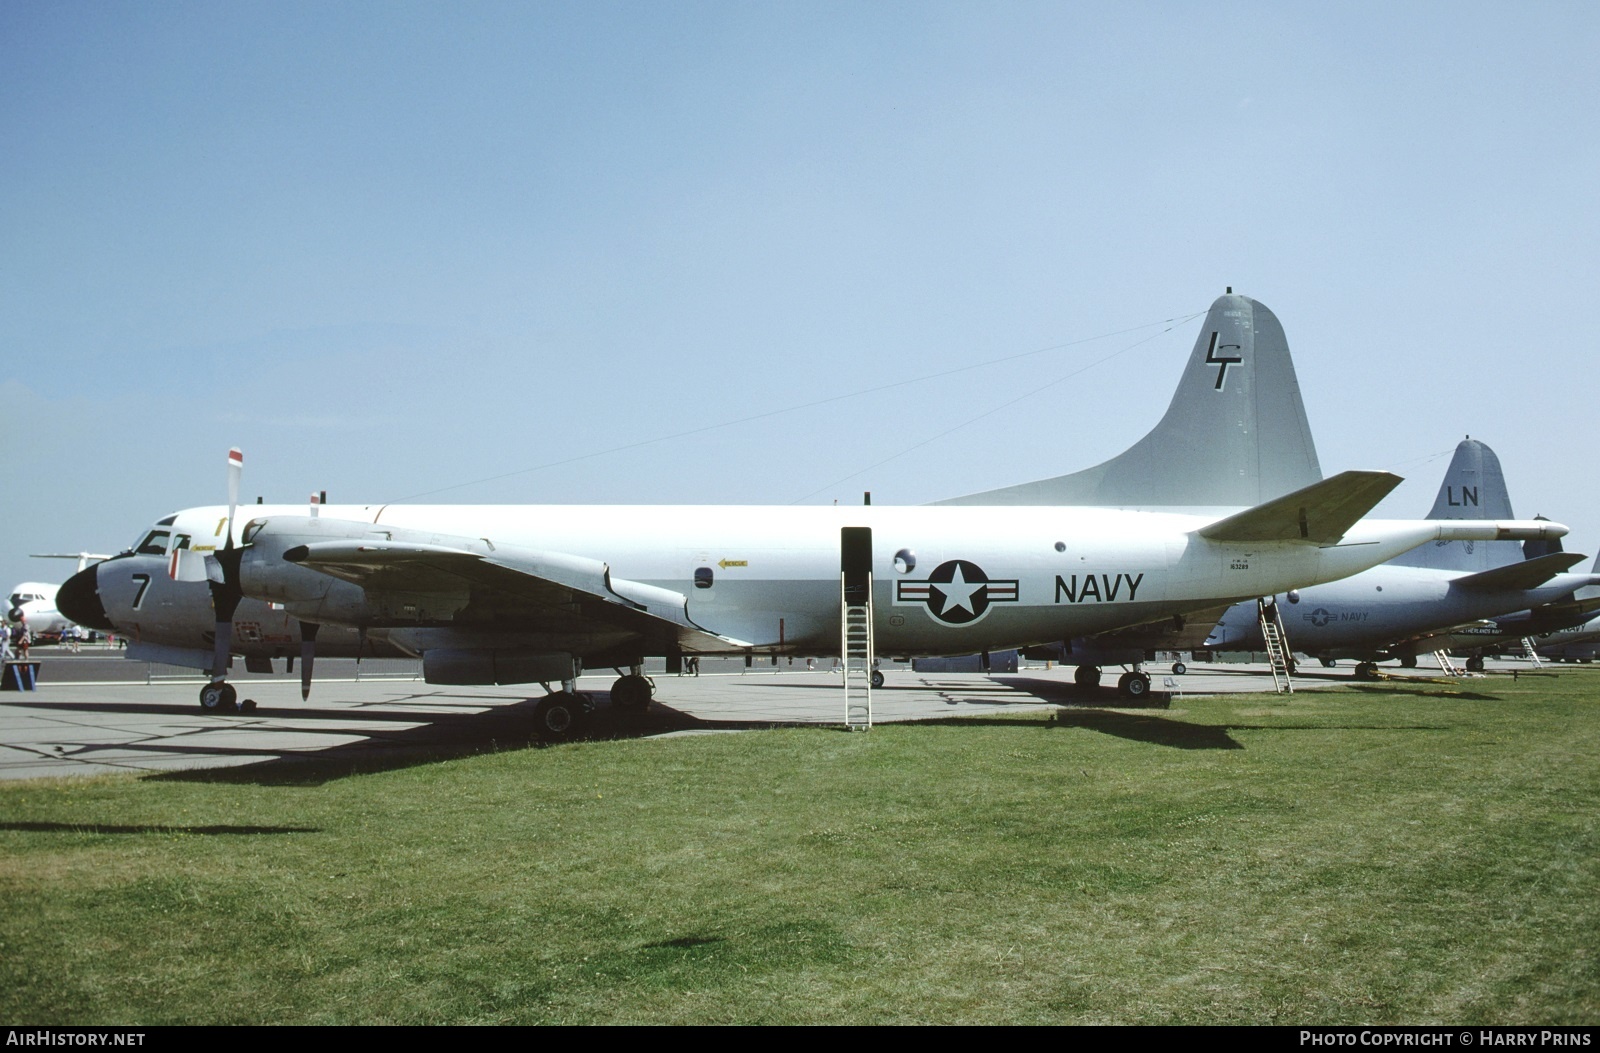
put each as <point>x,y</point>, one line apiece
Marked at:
<point>1379,854</point>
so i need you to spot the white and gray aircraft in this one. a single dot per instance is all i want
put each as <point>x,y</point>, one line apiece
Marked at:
<point>33,603</point>
<point>1431,598</point>
<point>528,594</point>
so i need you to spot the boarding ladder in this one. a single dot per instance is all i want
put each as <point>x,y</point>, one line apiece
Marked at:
<point>1532,652</point>
<point>855,645</point>
<point>1277,645</point>
<point>1446,663</point>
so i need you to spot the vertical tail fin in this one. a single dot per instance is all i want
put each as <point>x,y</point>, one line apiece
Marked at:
<point>1474,487</point>
<point>1235,434</point>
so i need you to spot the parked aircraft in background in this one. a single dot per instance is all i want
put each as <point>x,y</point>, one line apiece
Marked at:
<point>522,594</point>
<point>1581,643</point>
<point>1568,629</point>
<point>33,603</point>
<point>1432,598</point>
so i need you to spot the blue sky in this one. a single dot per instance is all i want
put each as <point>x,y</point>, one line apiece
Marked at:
<point>394,248</point>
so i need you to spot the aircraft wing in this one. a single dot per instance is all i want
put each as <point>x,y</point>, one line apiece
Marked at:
<point>1528,574</point>
<point>1551,617</point>
<point>1320,513</point>
<point>1464,634</point>
<point>1548,617</point>
<point>515,589</point>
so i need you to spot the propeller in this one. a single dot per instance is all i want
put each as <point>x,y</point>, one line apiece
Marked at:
<point>222,574</point>
<point>308,633</point>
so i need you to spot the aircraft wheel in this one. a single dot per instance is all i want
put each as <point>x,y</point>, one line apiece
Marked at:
<point>1366,671</point>
<point>877,678</point>
<point>1408,661</point>
<point>1134,685</point>
<point>560,716</point>
<point>632,693</point>
<point>1178,668</point>
<point>219,697</point>
<point>1328,663</point>
<point>1475,664</point>
<point>1086,676</point>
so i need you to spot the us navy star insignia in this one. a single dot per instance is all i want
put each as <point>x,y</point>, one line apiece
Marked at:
<point>958,592</point>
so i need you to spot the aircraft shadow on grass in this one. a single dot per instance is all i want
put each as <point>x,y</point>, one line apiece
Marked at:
<point>383,741</point>
<point>390,740</point>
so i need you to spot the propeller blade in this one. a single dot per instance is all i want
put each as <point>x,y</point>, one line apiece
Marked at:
<point>235,471</point>
<point>308,654</point>
<point>219,648</point>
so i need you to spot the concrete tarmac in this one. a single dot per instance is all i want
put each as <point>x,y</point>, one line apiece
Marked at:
<point>94,713</point>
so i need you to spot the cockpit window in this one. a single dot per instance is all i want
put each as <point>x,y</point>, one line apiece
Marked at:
<point>173,518</point>
<point>154,544</point>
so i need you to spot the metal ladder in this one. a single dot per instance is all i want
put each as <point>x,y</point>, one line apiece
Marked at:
<point>1446,663</point>
<point>855,645</point>
<point>1277,645</point>
<point>1532,652</point>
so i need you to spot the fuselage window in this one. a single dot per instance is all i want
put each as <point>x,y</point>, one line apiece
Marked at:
<point>702,577</point>
<point>154,543</point>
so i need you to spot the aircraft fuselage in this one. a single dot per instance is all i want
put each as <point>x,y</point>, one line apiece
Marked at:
<point>946,580</point>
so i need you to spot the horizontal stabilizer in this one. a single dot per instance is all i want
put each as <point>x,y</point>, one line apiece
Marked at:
<point>1529,574</point>
<point>1320,513</point>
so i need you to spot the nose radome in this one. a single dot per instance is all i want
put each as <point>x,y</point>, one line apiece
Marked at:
<point>79,599</point>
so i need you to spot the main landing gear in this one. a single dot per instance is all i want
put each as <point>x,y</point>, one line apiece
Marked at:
<point>562,715</point>
<point>632,692</point>
<point>1134,685</point>
<point>219,696</point>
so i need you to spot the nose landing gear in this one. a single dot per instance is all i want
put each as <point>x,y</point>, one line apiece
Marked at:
<point>219,696</point>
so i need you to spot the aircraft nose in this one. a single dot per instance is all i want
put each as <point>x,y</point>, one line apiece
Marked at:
<point>79,599</point>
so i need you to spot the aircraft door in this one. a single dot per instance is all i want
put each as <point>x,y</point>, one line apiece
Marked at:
<point>855,562</point>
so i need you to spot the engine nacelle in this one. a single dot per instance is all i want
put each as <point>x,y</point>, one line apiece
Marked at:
<point>446,666</point>
<point>263,572</point>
